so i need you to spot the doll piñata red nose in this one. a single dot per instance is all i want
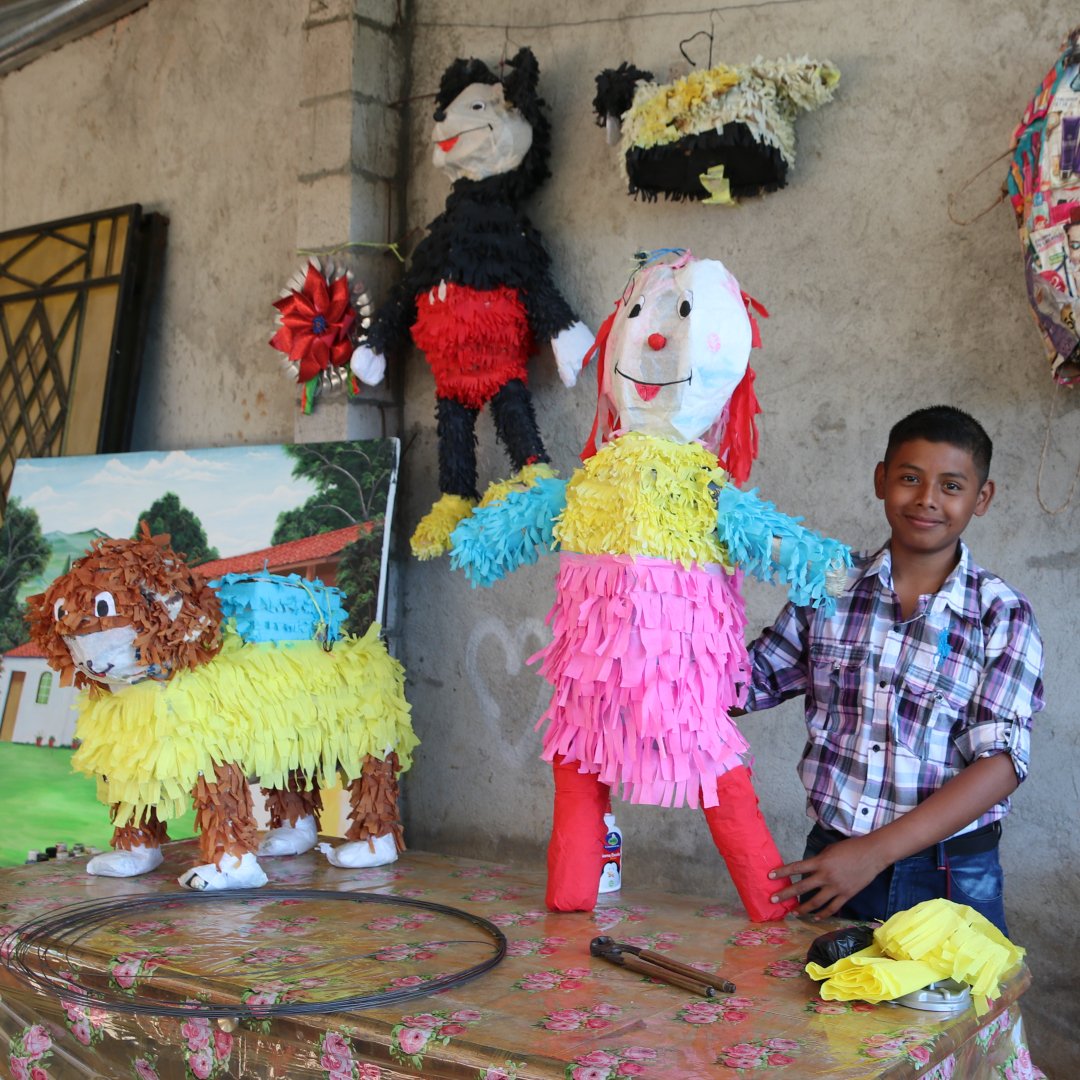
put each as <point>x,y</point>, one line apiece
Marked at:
<point>657,342</point>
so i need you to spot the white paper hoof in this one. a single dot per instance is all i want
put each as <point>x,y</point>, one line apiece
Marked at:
<point>290,839</point>
<point>242,873</point>
<point>359,853</point>
<point>120,863</point>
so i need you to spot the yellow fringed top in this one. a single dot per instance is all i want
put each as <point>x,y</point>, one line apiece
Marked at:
<point>934,940</point>
<point>764,95</point>
<point>664,114</point>
<point>270,707</point>
<point>644,495</point>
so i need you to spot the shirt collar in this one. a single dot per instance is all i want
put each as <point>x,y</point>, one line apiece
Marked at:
<point>957,592</point>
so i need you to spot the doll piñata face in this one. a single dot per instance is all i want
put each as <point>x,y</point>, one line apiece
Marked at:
<point>127,611</point>
<point>479,135</point>
<point>679,346</point>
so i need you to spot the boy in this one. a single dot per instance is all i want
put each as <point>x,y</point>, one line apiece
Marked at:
<point>919,694</point>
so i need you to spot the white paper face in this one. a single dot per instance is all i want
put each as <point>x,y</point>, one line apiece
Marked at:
<point>679,346</point>
<point>107,656</point>
<point>481,136</point>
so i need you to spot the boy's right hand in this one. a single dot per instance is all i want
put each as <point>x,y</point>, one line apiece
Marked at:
<point>830,878</point>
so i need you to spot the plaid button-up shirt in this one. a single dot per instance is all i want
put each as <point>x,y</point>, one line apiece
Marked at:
<point>895,709</point>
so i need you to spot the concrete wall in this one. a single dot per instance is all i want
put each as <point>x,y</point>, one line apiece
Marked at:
<point>248,124</point>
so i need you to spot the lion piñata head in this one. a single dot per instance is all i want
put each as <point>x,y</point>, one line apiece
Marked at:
<point>127,610</point>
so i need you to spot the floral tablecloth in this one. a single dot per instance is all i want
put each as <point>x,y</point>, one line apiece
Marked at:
<point>548,1010</point>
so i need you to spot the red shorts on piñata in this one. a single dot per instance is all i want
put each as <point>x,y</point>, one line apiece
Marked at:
<point>475,340</point>
<point>645,662</point>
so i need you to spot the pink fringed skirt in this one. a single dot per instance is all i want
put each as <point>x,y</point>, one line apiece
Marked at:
<point>646,659</point>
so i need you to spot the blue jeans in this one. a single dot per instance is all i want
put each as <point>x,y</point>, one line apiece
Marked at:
<point>974,880</point>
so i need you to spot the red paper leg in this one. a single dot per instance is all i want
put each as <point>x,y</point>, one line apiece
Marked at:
<point>576,849</point>
<point>742,837</point>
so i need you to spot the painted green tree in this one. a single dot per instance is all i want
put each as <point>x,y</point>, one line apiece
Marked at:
<point>24,552</point>
<point>352,480</point>
<point>167,514</point>
<point>352,484</point>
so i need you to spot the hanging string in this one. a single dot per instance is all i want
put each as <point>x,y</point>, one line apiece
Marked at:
<point>953,195</point>
<point>1042,462</point>
<point>391,247</point>
<point>553,24</point>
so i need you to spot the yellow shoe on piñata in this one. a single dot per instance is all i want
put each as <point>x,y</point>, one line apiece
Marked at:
<point>520,481</point>
<point>432,536</point>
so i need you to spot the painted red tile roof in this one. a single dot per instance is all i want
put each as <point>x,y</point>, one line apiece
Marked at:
<point>306,549</point>
<point>26,649</point>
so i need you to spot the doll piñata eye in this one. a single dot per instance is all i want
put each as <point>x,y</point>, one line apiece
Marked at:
<point>686,304</point>
<point>635,311</point>
<point>59,611</point>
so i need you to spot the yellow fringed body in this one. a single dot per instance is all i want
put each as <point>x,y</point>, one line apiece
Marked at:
<point>644,495</point>
<point>269,707</point>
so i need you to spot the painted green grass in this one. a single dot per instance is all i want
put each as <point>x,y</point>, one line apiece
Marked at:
<point>42,802</point>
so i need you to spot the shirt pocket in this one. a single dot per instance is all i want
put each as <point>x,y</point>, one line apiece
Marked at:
<point>933,704</point>
<point>838,670</point>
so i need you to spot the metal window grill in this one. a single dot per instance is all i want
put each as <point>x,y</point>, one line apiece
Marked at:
<point>74,299</point>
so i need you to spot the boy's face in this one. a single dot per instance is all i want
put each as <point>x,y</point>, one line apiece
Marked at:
<point>931,490</point>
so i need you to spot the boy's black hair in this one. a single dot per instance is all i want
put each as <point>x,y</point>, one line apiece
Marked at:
<point>945,424</point>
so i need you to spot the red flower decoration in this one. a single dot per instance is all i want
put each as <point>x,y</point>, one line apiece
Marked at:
<point>315,324</point>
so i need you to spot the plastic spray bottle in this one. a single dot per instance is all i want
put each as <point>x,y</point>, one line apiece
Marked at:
<point>611,872</point>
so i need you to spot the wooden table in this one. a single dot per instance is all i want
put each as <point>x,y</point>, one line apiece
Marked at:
<point>547,1011</point>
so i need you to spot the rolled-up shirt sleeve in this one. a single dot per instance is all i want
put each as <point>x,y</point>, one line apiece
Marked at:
<point>778,661</point>
<point>1010,691</point>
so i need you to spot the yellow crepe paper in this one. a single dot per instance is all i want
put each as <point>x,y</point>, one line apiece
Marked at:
<point>431,538</point>
<point>269,707</point>
<point>522,480</point>
<point>664,114</point>
<point>615,512</point>
<point>764,95</point>
<point>929,942</point>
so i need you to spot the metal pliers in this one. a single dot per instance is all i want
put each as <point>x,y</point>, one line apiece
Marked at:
<point>657,966</point>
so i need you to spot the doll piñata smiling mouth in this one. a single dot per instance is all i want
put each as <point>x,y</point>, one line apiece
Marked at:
<point>648,390</point>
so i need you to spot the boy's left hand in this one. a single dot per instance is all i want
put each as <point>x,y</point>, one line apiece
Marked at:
<point>832,877</point>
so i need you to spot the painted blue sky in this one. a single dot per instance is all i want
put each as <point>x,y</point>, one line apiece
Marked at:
<point>237,492</point>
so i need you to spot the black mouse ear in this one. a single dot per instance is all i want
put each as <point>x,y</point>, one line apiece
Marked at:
<point>615,90</point>
<point>458,75</point>
<point>521,81</point>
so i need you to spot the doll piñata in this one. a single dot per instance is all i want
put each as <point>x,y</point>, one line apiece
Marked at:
<point>478,297</point>
<point>647,655</point>
<point>179,706</point>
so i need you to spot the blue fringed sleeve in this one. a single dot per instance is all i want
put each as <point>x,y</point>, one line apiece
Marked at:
<point>775,547</point>
<point>496,539</point>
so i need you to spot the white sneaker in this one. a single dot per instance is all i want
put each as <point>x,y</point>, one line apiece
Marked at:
<point>378,852</point>
<point>120,863</point>
<point>242,873</point>
<point>290,839</point>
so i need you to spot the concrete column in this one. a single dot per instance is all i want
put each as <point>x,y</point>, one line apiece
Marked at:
<point>351,184</point>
